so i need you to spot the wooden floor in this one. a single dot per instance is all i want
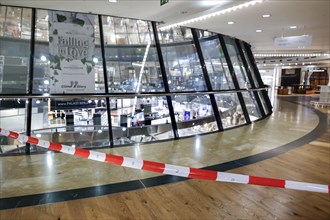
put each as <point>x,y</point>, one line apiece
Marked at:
<point>196,199</point>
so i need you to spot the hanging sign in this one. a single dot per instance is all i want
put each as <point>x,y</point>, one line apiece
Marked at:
<point>71,49</point>
<point>293,41</point>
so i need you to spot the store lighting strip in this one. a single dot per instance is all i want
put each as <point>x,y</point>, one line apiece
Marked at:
<point>169,169</point>
<point>217,13</point>
<point>293,55</point>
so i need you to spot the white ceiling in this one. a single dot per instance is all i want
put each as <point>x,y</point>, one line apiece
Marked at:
<point>310,16</point>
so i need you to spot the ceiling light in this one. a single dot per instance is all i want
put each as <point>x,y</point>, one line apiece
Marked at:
<point>113,1</point>
<point>231,22</point>
<point>293,27</point>
<point>258,31</point>
<point>266,16</point>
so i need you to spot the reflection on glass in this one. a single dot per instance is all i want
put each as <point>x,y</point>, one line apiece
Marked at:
<point>175,34</point>
<point>193,114</point>
<point>73,122</point>
<point>122,31</point>
<point>249,63</point>
<point>237,63</point>
<point>215,62</point>
<point>14,53</point>
<point>252,106</point>
<point>12,110</point>
<point>2,19</point>
<point>230,110</point>
<point>263,102</point>
<point>183,69</point>
<point>131,69</point>
<point>141,120</point>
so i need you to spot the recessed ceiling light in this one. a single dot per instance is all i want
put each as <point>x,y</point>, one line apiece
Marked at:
<point>293,27</point>
<point>266,16</point>
<point>231,22</point>
<point>113,1</point>
<point>258,31</point>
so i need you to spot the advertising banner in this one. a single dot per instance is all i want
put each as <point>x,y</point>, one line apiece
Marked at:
<point>293,41</point>
<point>71,49</point>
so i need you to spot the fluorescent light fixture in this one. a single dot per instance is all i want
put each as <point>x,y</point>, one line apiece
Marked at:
<point>207,16</point>
<point>266,16</point>
<point>113,1</point>
<point>258,31</point>
<point>231,22</point>
<point>293,27</point>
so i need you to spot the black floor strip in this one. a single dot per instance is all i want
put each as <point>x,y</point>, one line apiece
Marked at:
<point>66,195</point>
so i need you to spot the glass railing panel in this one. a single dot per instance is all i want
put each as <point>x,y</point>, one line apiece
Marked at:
<point>263,102</point>
<point>230,110</point>
<point>13,118</point>
<point>193,114</point>
<point>252,106</point>
<point>136,120</point>
<point>75,122</point>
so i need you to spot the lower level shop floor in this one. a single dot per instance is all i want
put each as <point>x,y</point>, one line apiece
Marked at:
<point>280,145</point>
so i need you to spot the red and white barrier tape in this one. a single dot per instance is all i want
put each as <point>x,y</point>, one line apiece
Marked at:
<point>168,168</point>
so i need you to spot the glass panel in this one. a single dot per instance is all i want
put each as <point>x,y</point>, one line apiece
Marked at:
<point>121,30</point>
<point>14,53</point>
<point>108,30</point>
<point>12,110</point>
<point>79,123</point>
<point>145,32</point>
<point>263,102</point>
<point>13,22</point>
<point>181,62</point>
<point>68,60</point>
<point>215,62</point>
<point>131,69</point>
<point>249,62</point>
<point>252,106</point>
<point>193,114</point>
<point>230,110</point>
<point>183,68</point>
<point>138,120</point>
<point>2,19</point>
<point>235,58</point>
<point>26,24</point>
<point>176,34</point>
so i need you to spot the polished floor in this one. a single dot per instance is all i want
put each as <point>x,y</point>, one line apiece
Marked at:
<point>269,145</point>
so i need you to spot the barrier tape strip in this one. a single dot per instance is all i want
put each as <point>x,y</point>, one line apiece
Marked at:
<point>168,168</point>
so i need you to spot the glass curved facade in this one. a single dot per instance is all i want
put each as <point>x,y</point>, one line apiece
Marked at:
<point>97,81</point>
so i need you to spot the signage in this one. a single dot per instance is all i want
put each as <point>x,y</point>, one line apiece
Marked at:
<point>71,49</point>
<point>163,2</point>
<point>69,105</point>
<point>293,41</point>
